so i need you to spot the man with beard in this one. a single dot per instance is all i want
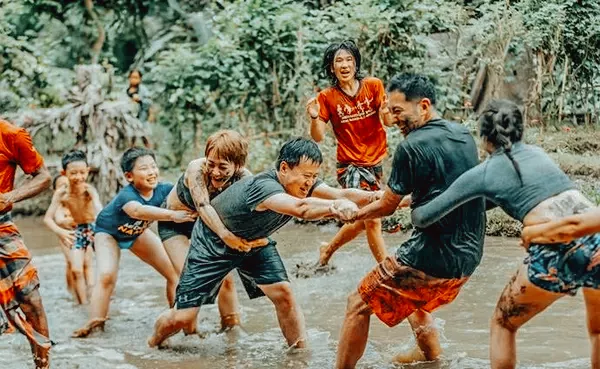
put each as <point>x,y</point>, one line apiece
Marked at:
<point>428,269</point>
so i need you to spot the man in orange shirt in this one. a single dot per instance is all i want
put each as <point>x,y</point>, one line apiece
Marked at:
<point>356,108</point>
<point>18,277</point>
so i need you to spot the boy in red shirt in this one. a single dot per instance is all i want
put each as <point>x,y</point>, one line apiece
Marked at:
<point>356,108</point>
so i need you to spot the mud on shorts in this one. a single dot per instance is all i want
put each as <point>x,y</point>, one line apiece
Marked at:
<point>393,291</point>
<point>84,236</point>
<point>18,278</point>
<point>364,178</point>
<point>209,262</point>
<point>564,268</point>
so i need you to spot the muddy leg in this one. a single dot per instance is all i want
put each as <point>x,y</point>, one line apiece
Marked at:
<point>519,302</point>
<point>228,303</point>
<point>355,332</point>
<point>32,307</point>
<point>592,307</point>
<point>289,315</point>
<point>375,239</point>
<point>170,323</point>
<point>346,234</point>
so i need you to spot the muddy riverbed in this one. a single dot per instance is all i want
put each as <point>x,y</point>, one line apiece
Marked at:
<point>556,339</point>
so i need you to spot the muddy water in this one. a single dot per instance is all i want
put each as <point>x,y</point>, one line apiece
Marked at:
<point>556,339</point>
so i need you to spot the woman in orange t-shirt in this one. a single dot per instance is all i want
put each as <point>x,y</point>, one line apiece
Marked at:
<point>356,108</point>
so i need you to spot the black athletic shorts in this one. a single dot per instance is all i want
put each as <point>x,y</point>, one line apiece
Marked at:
<point>208,263</point>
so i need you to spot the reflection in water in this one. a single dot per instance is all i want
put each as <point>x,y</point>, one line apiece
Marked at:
<point>556,339</point>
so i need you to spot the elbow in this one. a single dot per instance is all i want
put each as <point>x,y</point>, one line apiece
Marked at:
<point>317,137</point>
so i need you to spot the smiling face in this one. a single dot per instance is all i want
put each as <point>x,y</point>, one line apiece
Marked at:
<point>344,66</point>
<point>298,180</point>
<point>144,175</point>
<point>407,115</point>
<point>219,170</point>
<point>76,172</point>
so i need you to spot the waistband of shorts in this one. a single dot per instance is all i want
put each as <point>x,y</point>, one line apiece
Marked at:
<point>5,218</point>
<point>346,165</point>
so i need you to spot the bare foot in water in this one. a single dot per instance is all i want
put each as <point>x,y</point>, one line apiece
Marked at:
<point>89,328</point>
<point>409,357</point>
<point>323,257</point>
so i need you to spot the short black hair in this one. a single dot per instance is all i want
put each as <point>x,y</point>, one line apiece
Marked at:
<point>131,155</point>
<point>329,57</point>
<point>135,70</point>
<point>297,148</point>
<point>73,156</point>
<point>413,86</point>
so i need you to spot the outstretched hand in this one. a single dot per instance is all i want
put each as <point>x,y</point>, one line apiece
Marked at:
<point>313,108</point>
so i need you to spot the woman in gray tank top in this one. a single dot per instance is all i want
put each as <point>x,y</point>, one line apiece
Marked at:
<point>530,187</point>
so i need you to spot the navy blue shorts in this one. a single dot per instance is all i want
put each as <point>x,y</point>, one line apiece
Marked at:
<point>564,268</point>
<point>208,263</point>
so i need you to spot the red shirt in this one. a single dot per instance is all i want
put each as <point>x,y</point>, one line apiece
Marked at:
<point>16,148</point>
<point>361,138</point>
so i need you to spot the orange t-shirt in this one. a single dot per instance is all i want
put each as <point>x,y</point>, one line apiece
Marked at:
<point>361,138</point>
<point>16,148</point>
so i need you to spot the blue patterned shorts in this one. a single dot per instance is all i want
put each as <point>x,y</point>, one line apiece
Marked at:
<point>84,236</point>
<point>564,268</point>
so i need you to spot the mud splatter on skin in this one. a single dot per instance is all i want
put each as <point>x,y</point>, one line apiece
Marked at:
<point>509,308</point>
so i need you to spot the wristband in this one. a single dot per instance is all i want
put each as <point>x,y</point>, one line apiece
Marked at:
<point>313,118</point>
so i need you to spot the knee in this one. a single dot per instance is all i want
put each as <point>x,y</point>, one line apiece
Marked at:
<point>228,285</point>
<point>77,272</point>
<point>31,301</point>
<point>283,296</point>
<point>356,306</point>
<point>107,280</point>
<point>500,321</point>
<point>372,223</point>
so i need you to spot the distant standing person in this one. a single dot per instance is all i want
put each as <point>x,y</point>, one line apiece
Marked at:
<point>19,281</point>
<point>355,107</point>
<point>141,96</point>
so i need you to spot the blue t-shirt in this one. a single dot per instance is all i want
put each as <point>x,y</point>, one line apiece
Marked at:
<point>114,221</point>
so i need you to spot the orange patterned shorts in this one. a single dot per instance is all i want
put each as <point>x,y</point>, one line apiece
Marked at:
<point>393,291</point>
<point>18,278</point>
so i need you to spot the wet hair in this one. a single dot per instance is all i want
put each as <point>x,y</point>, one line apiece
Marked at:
<point>133,154</point>
<point>135,70</point>
<point>297,148</point>
<point>73,156</point>
<point>501,123</point>
<point>228,145</point>
<point>329,57</point>
<point>413,86</point>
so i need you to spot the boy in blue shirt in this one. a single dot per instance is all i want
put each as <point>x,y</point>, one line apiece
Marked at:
<point>124,225</point>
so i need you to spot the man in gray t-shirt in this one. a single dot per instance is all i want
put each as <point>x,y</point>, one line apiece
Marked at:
<point>430,268</point>
<point>254,208</point>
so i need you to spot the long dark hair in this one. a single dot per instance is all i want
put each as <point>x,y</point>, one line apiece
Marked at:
<point>329,56</point>
<point>501,123</point>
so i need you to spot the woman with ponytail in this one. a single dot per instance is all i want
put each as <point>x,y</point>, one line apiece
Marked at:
<point>531,188</point>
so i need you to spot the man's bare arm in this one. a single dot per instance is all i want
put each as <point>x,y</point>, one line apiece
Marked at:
<point>41,180</point>
<point>309,208</point>
<point>385,206</point>
<point>208,214</point>
<point>359,197</point>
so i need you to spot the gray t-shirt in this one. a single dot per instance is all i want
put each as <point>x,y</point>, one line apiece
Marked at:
<point>236,207</point>
<point>425,164</point>
<point>496,180</point>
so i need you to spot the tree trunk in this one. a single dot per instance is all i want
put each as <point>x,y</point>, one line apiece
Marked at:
<point>97,47</point>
